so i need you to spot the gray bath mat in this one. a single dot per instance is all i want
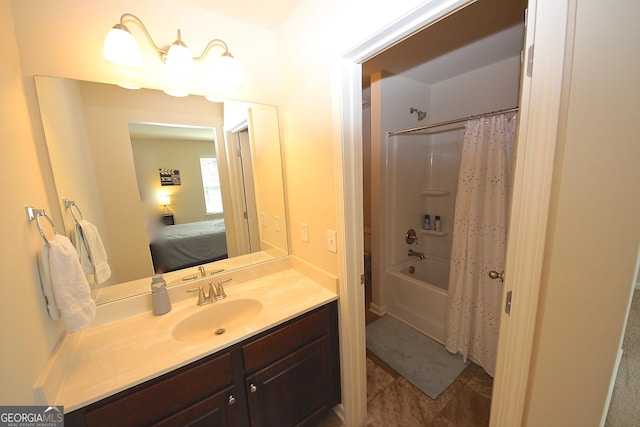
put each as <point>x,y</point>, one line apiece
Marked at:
<point>422,361</point>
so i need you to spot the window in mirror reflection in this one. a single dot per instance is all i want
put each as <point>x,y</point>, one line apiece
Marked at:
<point>211,185</point>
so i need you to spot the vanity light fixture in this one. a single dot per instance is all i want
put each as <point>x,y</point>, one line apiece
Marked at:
<point>121,48</point>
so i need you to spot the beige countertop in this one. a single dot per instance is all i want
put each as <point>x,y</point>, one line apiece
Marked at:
<point>105,359</point>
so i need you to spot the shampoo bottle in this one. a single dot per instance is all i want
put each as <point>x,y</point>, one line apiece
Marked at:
<point>159,296</point>
<point>437,225</point>
<point>426,224</point>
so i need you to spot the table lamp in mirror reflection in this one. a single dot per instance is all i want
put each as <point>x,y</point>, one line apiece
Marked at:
<point>165,200</point>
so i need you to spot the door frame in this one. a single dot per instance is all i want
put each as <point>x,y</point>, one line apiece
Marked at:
<point>539,117</point>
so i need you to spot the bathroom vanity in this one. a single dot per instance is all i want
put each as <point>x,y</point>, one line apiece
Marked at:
<point>282,377</point>
<point>267,355</point>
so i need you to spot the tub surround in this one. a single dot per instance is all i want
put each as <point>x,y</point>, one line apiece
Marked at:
<point>416,302</point>
<point>126,345</point>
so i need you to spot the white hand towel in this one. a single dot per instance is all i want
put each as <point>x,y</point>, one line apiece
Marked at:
<point>45,280</point>
<point>83,250</point>
<point>69,284</point>
<point>97,253</point>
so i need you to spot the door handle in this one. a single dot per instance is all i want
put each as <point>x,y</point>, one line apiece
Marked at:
<point>493,274</point>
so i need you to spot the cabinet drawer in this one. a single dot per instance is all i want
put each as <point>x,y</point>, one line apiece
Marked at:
<point>219,410</point>
<point>275,345</point>
<point>151,402</point>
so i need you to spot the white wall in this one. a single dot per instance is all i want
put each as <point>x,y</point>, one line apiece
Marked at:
<point>485,89</point>
<point>594,230</point>
<point>391,98</point>
<point>407,158</point>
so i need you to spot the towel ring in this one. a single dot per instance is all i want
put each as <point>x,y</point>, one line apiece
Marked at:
<point>33,213</point>
<point>70,204</point>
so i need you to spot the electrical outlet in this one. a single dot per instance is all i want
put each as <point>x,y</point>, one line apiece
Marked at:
<point>276,223</point>
<point>304,228</point>
<point>263,219</point>
<point>331,241</point>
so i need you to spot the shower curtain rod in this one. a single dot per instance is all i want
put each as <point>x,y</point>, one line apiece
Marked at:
<point>450,122</point>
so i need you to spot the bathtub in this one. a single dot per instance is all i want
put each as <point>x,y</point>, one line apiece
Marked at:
<point>416,294</point>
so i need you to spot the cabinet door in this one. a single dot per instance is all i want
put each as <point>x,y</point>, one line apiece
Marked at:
<point>294,389</point>
<point>220,410</point>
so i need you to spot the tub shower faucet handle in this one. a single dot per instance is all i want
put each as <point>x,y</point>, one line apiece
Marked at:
<point>410,237</point>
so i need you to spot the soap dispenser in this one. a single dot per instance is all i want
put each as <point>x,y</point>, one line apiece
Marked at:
<point>159,296</point>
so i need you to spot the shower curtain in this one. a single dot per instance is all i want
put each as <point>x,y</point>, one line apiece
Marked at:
<point>479,239</point>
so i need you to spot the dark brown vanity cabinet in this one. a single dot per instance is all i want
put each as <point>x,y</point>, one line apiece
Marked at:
<point>292,373</point>
<point>197,394</point>
<point>286,376</point>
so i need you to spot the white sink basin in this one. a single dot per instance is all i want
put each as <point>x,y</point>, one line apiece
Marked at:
<point>216,319</point>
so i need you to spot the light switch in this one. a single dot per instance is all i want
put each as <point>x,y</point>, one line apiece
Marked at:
<point>331,241</point>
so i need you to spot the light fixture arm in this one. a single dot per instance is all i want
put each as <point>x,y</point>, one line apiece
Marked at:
<point>211,45</point>
<point>138,21</point>
<point>163,51</point>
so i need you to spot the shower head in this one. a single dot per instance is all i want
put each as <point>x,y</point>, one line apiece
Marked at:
<point>421,114</point>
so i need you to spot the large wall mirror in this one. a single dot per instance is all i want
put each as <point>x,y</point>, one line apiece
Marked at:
<point>179,186</point>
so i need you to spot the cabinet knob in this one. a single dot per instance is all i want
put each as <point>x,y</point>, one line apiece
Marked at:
<point>253,388</point>
<point>232,400</point>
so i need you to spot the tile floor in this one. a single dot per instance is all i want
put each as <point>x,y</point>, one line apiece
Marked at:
<point>393,401</point>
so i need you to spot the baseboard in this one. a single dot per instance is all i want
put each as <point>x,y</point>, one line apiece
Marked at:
<point>339,411</point>
<point>611,386</point>
<point>377,309</point>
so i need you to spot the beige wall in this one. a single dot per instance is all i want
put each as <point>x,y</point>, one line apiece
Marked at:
<point>310,43</point>
<point>187,199</point>
<point>265,154</point>
<point>594,231</point>
<point>28,335</point>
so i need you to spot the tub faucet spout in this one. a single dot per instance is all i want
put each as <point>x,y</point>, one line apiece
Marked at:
<point>417,254</point>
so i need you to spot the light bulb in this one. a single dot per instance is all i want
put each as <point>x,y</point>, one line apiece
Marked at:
<point>227,71</point>
<point>120,48</point>
<point>179,61</point>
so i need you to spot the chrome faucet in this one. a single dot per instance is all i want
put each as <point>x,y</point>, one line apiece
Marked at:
<point>216,292</point>
<point>414,253</point>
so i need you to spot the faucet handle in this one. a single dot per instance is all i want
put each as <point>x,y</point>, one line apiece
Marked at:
<point>202,299</point>
<point>213,292</point>
<point>220,289</point>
